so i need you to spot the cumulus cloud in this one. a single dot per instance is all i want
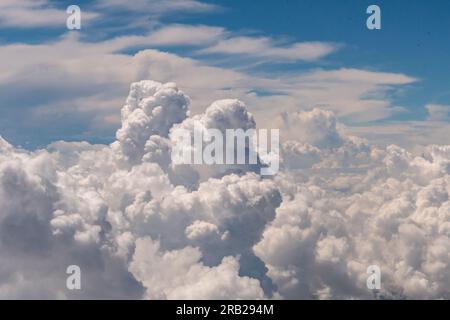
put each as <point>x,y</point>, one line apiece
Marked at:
<point>151,108</point>
<point>141,227</point>
<point>316,127</point>
<point>179,275</point>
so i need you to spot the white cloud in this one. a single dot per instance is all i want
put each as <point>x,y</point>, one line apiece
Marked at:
<point>35,13</point>
<point>96,77</point>
<point>359,95</point>
<point>338,205</point>
<point>438,112</point>
<point>158,7</point>
<point>185,35</point>
<point>151,109</point>
<point>141,227</point>
<point>263,47</point>
<point>180,275</point>
<point>413,135</point>
<point>316,127</point>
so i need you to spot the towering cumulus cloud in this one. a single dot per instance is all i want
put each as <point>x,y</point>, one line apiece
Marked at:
<point>139,226</point>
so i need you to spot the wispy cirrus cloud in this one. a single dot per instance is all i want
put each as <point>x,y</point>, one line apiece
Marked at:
<point>218,40</point>
<point>158,7</point>
<point>181,35</point>
<point>438,112</point>
<point>35,13</point>
<point>264,47</point>
<point>86,81</point>
<point>45,13</point>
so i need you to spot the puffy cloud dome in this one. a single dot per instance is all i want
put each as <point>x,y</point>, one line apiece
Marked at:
<point>140,227</point>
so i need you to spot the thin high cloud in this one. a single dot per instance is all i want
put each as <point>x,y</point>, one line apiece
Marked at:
<point>218,40</point>
<point>96,73</point>
<point>25,14</point>
<point>158,7</point>
<point>96,76</point>
<point>35,13</point>
<point>263,47</point>
<point>438,112</point>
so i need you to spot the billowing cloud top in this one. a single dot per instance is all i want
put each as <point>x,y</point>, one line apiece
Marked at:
<point>141,227</point>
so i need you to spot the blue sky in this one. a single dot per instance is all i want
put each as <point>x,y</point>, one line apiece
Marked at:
<point>404,65</point>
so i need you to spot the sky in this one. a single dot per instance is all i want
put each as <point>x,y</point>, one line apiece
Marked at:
<point>88,120</point>
<point>49,92</point>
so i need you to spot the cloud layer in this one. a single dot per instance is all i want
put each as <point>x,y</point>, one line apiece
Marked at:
<point>140,227</point>
<point>81,82</point>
